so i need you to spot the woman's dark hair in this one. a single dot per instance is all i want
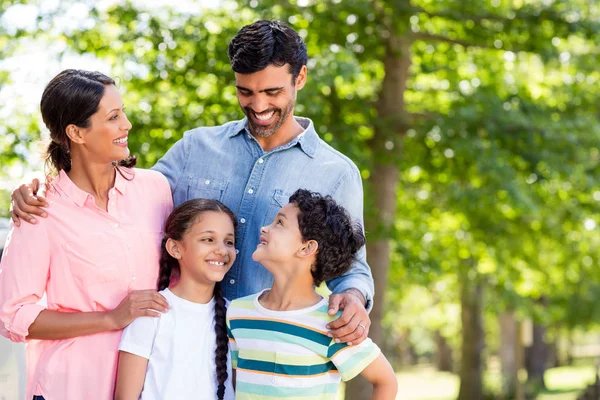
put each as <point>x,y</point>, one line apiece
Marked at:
<point>321,219</point>
<point>178,223</point>
<point>71,97</point>
<point>264,43</point>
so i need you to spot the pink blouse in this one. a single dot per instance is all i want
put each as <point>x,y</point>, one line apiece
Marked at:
<point>84,259</point>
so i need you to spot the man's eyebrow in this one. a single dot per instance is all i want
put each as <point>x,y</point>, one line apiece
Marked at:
<point>274,89</point>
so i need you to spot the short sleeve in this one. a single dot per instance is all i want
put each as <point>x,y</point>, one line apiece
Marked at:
<point>352,360</point>
<point>138,337</point>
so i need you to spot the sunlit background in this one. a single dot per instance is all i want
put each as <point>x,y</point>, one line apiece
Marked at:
<point>476,129</point>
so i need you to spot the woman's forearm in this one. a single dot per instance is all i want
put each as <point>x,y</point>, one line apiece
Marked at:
<point>55,325</point>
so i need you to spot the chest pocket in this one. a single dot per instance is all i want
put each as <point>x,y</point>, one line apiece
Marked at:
<point>278,200</point>
<point>206,188</point>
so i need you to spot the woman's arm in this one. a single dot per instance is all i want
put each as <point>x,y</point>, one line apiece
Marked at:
<point>383,378</point>
<point>131,374</point>
<point>55,325</point>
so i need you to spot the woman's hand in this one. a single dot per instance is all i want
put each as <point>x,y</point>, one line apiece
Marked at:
<point>138,303</point>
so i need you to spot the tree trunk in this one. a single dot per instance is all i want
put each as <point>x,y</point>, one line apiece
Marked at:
<point>471,382</point>
<point>443,354</point>
<point>538,354</point>
<point>509,342</point>
<point>383,185</point>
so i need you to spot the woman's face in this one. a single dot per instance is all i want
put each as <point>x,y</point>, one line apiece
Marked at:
<point>105,140</point>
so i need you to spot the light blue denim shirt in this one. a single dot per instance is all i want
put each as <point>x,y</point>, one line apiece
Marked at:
<point>227,163</point>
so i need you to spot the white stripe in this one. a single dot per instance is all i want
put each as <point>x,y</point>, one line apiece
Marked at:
<point>273,380</point>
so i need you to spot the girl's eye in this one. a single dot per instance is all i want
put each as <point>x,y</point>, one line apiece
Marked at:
<point>207,240</point>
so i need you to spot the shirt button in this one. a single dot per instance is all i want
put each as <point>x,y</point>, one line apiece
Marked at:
<point>237,251</point>
<point>207,182</point>
<point>250,191</point>
<point>232,281</point>
<point>260,161</point>
<point>133,278</point>
<point>243,220</point>
<point>116,225</point>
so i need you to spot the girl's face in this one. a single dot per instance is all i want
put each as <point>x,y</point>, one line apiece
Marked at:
<point>207,250</point>
<point>105,140</point>
<point>280,241</point>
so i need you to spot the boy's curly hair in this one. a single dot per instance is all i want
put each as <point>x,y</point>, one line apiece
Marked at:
<point>321,219</point>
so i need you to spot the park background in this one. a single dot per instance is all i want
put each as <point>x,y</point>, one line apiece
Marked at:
<point>475,125</point>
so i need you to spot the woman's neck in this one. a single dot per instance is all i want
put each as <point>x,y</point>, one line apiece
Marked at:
<point>290,293</point>
<point>95,179</point>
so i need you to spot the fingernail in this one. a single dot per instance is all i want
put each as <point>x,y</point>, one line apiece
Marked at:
<point>328,327</point>
<point>349,343</point>
<point>32,220</point>
<point>337,340</point>
<point>44,215</point>
<point>329,334</point>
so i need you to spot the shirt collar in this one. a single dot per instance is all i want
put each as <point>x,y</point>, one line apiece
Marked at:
<point>79,197</point>
<point>308,139</point>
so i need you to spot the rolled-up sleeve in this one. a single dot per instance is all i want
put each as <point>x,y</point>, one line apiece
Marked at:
<point>24,272</point>
<point>349,194</point>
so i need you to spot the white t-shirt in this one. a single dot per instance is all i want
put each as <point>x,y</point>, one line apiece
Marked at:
<point>180,348</point>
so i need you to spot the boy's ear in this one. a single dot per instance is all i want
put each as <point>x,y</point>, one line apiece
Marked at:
<point>172,248</point>
<point>309,249</point>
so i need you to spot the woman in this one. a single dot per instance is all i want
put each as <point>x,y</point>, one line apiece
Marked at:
<point>95,256</point>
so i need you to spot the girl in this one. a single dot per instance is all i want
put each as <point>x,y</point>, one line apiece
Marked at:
<point>95,256</point>
<point>175,356</point>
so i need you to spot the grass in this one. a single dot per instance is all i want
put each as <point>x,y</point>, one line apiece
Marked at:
<point>425,383</point>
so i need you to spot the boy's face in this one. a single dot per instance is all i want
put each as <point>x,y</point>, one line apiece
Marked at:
<point>280,241</point>
<point>267,97</point>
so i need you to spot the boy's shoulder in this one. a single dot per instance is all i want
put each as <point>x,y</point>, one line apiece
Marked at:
<point>244,302</point>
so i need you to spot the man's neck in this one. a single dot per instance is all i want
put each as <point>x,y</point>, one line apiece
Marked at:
<point>285,134</point>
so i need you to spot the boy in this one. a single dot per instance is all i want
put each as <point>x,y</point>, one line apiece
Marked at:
<point>279,341</point>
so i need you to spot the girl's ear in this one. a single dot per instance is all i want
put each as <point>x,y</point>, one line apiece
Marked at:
<point>173,248</point>
<point>309,249</point>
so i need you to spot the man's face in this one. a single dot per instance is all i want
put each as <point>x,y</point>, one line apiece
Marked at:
<point>267,97</point>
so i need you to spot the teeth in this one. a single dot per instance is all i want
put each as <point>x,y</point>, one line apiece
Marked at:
<point>121,141</point>
<point>264,117</point>
<point>220,264</point>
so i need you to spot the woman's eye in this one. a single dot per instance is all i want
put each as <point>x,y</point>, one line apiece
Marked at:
<point>114,117</point>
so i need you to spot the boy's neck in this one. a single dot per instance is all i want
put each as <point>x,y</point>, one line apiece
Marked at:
<point>290,294</point>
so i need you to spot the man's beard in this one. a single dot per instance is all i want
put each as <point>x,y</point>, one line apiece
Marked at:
<point>281,115</point>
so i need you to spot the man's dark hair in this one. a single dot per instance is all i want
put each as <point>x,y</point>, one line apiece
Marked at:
<point>264,43</point>
<point>321,219</point>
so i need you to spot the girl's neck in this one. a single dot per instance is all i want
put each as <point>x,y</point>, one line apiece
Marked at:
<point>290,294</point>
<point>95,179</point>
<point>196,292</point>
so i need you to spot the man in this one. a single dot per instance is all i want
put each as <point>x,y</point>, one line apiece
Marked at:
<point>255,164</point>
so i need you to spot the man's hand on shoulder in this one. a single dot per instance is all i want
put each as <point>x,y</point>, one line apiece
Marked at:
<point>27,201</point>
<point>353,325</point>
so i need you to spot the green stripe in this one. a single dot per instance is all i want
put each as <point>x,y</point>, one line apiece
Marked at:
<point>314,392</point>
<point>358,362</point>
<point>335,348</point>
<point>276,326</point>
<point>279,337</point>
<point>285,369</point>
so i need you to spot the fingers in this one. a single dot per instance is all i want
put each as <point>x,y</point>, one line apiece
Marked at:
<point>150,299</point>
<point>14,216</point>
<point>345,330</point>
<point>25,205</point>
<point>358,335</point>
<point>334,303</point>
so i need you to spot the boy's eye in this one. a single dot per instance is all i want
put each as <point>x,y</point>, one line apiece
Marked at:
<point>279,221</point>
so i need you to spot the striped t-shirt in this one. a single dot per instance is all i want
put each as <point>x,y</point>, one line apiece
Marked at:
<point>287,354</point>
